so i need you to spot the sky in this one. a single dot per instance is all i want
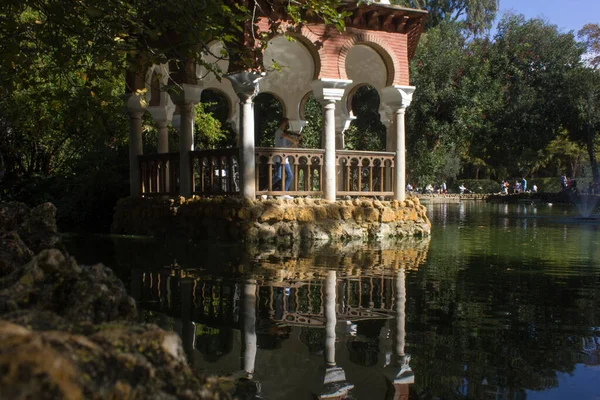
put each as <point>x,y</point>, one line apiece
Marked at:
<point>566,14</point>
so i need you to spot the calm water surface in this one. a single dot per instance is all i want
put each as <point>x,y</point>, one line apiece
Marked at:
<point>502,302</point>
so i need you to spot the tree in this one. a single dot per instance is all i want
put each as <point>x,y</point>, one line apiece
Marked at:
<point>450,103</point>
<point>62,128</point>
<point>582,112</point>
<point>476,16</point>
<point>590,33</point>
<point>529,61</point>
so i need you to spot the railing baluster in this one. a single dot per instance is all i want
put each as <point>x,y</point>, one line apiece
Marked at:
<point>306,174</point>
<point>142,175</point>
<point>371,178</point>
<point>282,166</point>
<point>202,175</point>
<point>220,174</point>
<point>230,174</point>
<point>257,173</point>
<point>270,174</point>
<point>295,177</point>
<point>348,173</point>
<point>359,166</point>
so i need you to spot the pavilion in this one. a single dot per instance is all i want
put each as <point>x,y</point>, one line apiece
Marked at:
<point>375,49</point>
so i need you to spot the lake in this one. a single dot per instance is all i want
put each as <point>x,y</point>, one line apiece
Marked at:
<point>501,302</point>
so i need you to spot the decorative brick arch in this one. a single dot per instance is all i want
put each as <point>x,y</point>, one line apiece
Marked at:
<point>376,44</point>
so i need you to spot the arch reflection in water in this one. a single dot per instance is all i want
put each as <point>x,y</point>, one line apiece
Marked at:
<point>311,333</point>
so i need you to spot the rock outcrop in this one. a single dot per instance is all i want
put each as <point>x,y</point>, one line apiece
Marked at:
<point>111,362</point>
<point>24,232</point>
<point>71,332</point>
<point>53,282</point>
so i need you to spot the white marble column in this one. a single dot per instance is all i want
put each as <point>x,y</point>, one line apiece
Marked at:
<point>342,122</point>
<point>162,115</point>
<point>387,119</point>
<point>186,97</point>
<point>397,98</point>
<point>160,108</point>
<point>250,344</point>
<point>135,109</point>
<point>135,149</point>
<point>328,92</point>
<point>400,160</point>
<point>245,85</point>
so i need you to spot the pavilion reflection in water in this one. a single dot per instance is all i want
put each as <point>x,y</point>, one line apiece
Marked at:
<point>349,320</point>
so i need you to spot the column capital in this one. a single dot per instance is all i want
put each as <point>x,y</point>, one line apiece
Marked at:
<point>245,83</point>
<point>164,112</point>
<point>185,93</point>
<point>386,115</point>
<point>134,103</point>
<point>329,90</point>
<point>397,97</point>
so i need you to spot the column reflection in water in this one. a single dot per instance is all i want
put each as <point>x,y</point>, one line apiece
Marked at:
<point>335,384</point>
<point>398,370</point>
<point>249,328</point>
<point>186,327</point>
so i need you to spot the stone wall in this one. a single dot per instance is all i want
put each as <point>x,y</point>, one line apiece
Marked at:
<point>301,219</point>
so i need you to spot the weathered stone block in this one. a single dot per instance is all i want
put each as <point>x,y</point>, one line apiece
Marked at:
<point>243,213</point>
<point>272,213</point>
<point>289,214</point>
<point>358,214</point>
<point>388,215</point>
<point>266,232</point>
<point>320,213</point>
<point>371,214</point>
<point>366,203</point>
<point>305,214</point>
<point>346,212</point>
<point>333,211</point>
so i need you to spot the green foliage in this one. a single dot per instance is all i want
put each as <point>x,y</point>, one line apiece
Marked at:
<point>582,112</point>
<point>63,132</point>
<point>366,132</point>
<point>448,106</point>
<point>477,185</point>
<point>501,105</point>
<point>208,130</point>
<point>529,60</point>
<point>268,113</point>
<point>313,115</point>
